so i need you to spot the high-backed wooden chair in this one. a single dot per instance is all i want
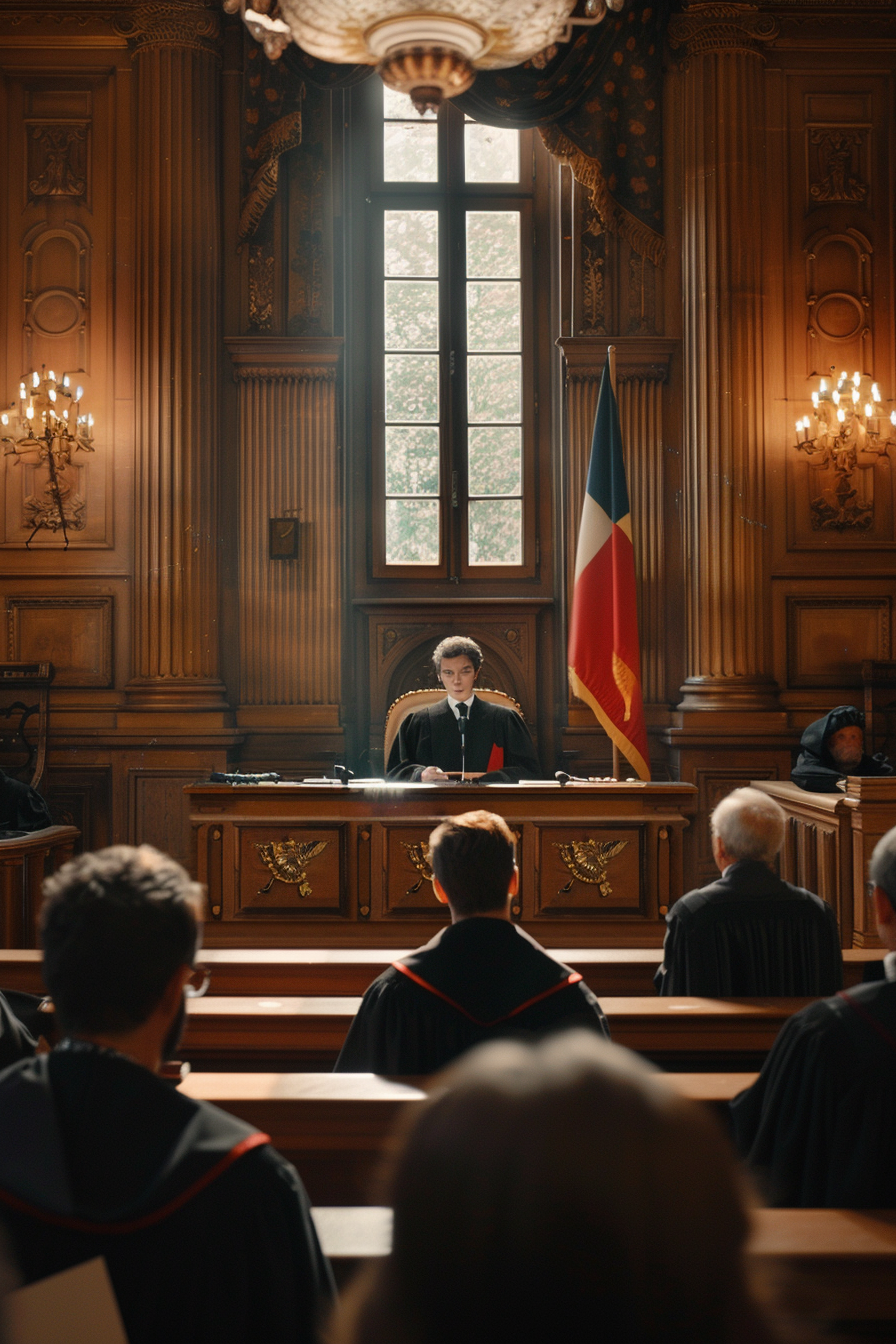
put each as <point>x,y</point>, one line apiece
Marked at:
<point>879,682</point>
<point>24,719</point>
<point>411,700</point>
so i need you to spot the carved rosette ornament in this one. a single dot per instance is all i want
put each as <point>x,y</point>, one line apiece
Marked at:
<point>713,27</point>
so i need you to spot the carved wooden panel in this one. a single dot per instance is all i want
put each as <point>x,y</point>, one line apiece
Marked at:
<point>73,633</point>
<point>828,638</point>
<point>82,797</point>
<point>295,870</point>
<point>589,870</point>
<point>406,889</point>
<point>156,812</point>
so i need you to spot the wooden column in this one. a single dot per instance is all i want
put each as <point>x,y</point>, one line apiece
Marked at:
<point>642,367</point>
<point>722,120</point>
<point>178,278</point>
<point>289,609</point>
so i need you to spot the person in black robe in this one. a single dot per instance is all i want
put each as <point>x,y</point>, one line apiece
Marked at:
<point>749,934</point>
<point>834,747</point>
<point>22,809</point>
<point>479,979</point>
<point>462,732</point>
<point>817,1126</point>
<point>205,1230</point>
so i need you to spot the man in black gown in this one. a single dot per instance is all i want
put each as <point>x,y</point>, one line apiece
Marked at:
<point>478,979</point>
<point>834,747</point>
<point>749,933</point>
<point>817,1127</point>
<point>205,1230</point>
<point>495,745</point>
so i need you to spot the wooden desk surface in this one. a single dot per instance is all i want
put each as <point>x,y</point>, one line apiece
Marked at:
<point>312,1027</point>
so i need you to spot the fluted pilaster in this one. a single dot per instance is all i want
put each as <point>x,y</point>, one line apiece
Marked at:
<point>641,371</point>
<point>726,520</point>
<point>175,601</point>
<point>290,646</point>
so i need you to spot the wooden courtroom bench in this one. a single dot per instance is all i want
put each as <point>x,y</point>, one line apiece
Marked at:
<point>829,1264</point>
<point>334,1126</point>
<point>246,1032</point>
<point>266,971</point>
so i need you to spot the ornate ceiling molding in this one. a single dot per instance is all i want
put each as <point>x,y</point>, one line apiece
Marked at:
<point>193,24</point>
<point>714,27</point>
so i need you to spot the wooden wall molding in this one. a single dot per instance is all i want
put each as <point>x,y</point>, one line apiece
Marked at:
<point>289,610</point>
<point>193,25</point>
<point>73,633</point>
<point>713,27</point>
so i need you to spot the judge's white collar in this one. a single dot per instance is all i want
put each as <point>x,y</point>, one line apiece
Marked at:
<point>454,704</point>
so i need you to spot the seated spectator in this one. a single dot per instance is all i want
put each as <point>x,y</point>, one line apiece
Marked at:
<point>749,933</point>
<point>22,809</point>
<point>560,1192</point>
<point>834,747</point>
<point>482,977</point>
<point>205,1230</point>
<point>817,1126</point>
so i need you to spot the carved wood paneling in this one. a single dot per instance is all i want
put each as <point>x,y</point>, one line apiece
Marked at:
<point>290,644</point>
<point>641,372</point>
<point>72,633</point>
<point>828,638</point>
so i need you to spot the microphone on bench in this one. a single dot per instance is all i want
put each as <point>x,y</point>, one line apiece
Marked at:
<point>462,711</point>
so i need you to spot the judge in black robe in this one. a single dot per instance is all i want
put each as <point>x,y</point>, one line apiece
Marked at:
<point>817,1126</point>
<point>22,810</point>
<point>823,762</point>
<point>480,979</point>
<point>497,744</point>
<point>749,933</point>
<point>205,1230</point>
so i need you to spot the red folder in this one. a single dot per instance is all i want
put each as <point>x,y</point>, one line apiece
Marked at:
<point>496,759</point>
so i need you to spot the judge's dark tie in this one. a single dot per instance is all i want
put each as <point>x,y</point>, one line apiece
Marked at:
<point>462,725</point>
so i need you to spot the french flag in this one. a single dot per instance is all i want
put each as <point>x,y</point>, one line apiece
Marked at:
<point>604,657</point>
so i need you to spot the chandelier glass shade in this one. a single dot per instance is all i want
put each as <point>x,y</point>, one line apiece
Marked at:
<point>430,51</point>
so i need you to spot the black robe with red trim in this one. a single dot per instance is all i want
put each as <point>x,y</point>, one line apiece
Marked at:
<point>818,1128</point>
<point>206,1231</point>
<point>476,980</point>
<point>497,742</point>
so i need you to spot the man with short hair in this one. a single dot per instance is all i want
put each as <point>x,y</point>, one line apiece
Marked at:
<point>480,978</point>
<point>205,1230</point>
<point>494,747</point>
<point>817,1126</point>
<point>749,933</point>
<point>834,747</point>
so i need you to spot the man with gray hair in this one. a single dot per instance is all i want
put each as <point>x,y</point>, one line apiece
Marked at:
<point>749,934</point>
<point>817,1126</point>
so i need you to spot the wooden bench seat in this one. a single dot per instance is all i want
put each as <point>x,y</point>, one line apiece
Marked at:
<point>237,1032</point>
<point>831,1264</point>
<point>333,1126</point>
<point>266,971</point>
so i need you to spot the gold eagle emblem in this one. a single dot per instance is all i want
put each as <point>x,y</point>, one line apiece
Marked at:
<point>286,861</point>
<point>587,860</point>
<point>418,854</point>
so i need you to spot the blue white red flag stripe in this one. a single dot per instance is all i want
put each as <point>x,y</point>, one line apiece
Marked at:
<point>604,657</point>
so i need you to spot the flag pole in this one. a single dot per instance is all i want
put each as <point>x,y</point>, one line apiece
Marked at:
<point>611,358</point>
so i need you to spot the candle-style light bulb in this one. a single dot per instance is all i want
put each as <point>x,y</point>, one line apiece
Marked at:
<point>79,394</point>
<point>841,415</point>
<point>835,398</point>
<point>22,393</point>
<point>799,425</point>
<point>869,410</point>
<point>855,395</point>
<point>35,379</point>
<point>843,376</point>
<point>65,380</point>
<point>823,386</point>
<point>65,415</point>
<point>52,394</point>
<point>815,400</point>
<point>893,417</point>
<point>4,419</point>
<point>30,412</point>
<point>875,392</point>
<point>52,377</point>
<point>856,378</point>
<point>90,422</point>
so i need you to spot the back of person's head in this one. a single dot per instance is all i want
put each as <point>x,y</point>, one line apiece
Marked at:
<point>560,1191</point>
<point>473,855</point>
<point>116,925</point>
<point>457,646</point>
<point>882,868</point>
<point>749,824</point>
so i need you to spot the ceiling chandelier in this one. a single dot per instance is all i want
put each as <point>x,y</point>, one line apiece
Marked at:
<point>430,54</point>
